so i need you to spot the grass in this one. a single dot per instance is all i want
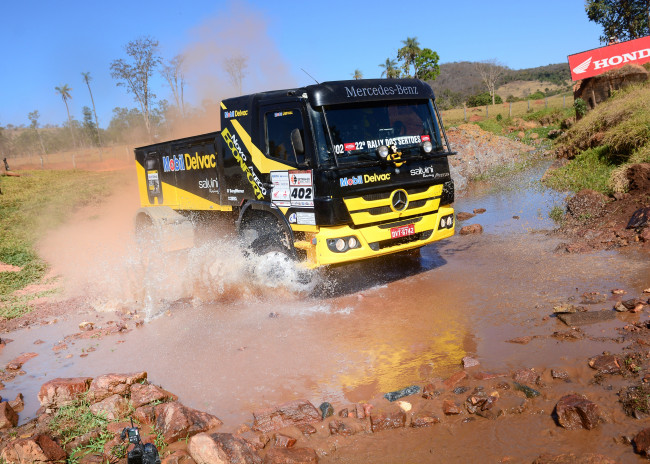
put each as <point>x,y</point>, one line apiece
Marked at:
<point>30,205</point>
<point>591,169</point>
<point>455,116</point>
<point>556,214</point>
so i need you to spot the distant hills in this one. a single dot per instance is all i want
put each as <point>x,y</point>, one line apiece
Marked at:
<point>460,80</point>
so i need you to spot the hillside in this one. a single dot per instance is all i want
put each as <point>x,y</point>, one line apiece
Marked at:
<point>459,80</point>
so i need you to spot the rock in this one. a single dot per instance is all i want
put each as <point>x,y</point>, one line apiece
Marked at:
<point>178,457</point>
<point>110,384</point>
<point>338,427</point>
<point>618,291</point>
<point>460,390</point>
<point>640,218</point>
<point>142,394</point>
<point>471,229</point>
<point>283,441</point>
<point>145,414</point>
<point>567,308</point>
<point>405,406</point>
<point>464,216</point>
<point>454,379</point>
<point>527,376</point>
<point>291,456</point>
<point>520,340</point>
<point>576,411</point>
<point>642,442</point>
<point>586,203</point>
<point>17,363</point>
<point>589,458</point>
<point>593,298</point>
<point>589,317</point>
<point>8,417</point>
<point>306,429</point>
<point>344,412</point>
<point>515,217</point>
<point>18,404</point>
<point>175,421</point>
<point>256,440</point>
<point>37,449</point>
<point>424,418</point>
<point>487,375</point>
<point>85,439</point>
<point>479,210</point>
<point>112,408</point>
<point>381,420</point>
<point>529,392</point>
<point>221,448</point>
<point>558,374</point>
<point>395,395</point>
<point>572,334</point>
<point>326,410</point>
<point>620,307</point>
<point>86,326</point>
<point>468,362</point>
<point>60,392</point>
<point>450,408</point>
<point>632,303</point>
<point>606,364</point>
<point>429,392</point>
<point>293,413</point>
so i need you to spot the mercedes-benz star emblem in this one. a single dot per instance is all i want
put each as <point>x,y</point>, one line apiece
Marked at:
<point>399,200</point>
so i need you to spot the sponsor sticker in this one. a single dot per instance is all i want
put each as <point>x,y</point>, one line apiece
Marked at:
<point>308,219</point>
<point>280,194</point>
<point>293,217</point>
<point>349,146</point>
<point>292,188</point>
<point>425,138</point>
<point>402,231</point>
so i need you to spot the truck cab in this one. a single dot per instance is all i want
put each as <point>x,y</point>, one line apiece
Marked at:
<point>329,173</point>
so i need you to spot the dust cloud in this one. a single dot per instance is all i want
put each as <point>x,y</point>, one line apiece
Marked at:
<point>238,31</point>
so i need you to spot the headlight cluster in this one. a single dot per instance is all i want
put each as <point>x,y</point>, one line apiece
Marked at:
<point>343,244</point>
<point>427,147</point>
<point>447,222</point>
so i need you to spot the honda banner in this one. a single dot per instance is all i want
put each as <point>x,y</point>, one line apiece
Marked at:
<point>597,61</point>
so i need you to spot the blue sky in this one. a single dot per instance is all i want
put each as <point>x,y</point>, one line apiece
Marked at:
<point>48,43</point>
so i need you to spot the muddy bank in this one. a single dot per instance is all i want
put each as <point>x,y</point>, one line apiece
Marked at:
<point>594,221</point>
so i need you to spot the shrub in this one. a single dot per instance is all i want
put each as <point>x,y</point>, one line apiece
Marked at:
<point>580,106</point>
<point>483,99</point>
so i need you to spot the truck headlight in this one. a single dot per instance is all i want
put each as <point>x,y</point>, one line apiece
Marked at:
<point>382,151</point>
<point>340,244</point>
<point>427,147</point>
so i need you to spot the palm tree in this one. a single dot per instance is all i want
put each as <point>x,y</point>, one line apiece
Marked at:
<point>390,69</point>
<point>64,91</point>
<point>357,74</point>
<point>87,79</point>
<point>408,53</point>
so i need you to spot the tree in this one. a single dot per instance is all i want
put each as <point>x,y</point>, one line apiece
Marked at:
<point>408,53</point>
<point>426,65</point>
<point>136,74</point>
<point>357,74</point>
<point>64,91</point>
<point>390,69</point>
<point>235,68</point>
<point>620,19</point>
<point>87,79</point>
<point>33,119</point>
<point>490,70</point>
<point>173,74</point>
<point>89,126</point>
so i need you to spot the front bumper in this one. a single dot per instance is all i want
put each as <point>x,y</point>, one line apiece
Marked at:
<point>376,240</point>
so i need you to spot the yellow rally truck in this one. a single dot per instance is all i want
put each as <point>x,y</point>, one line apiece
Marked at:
<point>329,173</point>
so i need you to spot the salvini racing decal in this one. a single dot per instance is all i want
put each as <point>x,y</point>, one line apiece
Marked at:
<point>376,143</point>
<point>240,156</point>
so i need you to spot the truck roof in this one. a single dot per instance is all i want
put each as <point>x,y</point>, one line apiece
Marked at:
<point>339,92</point>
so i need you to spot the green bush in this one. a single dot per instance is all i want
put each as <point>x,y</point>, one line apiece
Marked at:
<point>536,96</point>
<point>580,106</point>
<point>482,99</point>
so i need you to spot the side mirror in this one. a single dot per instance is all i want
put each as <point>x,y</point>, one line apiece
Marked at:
<point>298,147</point>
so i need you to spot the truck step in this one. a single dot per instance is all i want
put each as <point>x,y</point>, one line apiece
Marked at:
<point>302,244</point>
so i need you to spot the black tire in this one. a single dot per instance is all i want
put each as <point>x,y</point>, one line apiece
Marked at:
<point>263,234</point>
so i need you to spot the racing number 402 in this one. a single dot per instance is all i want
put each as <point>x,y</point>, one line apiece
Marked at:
<point>301,193</point>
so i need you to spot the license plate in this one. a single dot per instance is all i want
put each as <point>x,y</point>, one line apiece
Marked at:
<point>402,231</point>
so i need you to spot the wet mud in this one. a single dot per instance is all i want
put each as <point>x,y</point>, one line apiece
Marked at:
<point>228,344</point>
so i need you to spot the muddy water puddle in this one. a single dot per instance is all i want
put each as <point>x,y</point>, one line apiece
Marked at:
<point>368,328</point>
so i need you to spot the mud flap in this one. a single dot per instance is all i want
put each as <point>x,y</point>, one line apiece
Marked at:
<point>171,231</point>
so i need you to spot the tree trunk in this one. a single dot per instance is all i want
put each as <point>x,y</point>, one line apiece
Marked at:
<point>99,137</point>
<point>74,143</point>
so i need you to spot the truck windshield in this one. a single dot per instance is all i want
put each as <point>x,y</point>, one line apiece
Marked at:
<point>355,132</point>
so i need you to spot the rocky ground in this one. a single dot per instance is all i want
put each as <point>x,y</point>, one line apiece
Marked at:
<point>301,432</point>
<point>596,221</point>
